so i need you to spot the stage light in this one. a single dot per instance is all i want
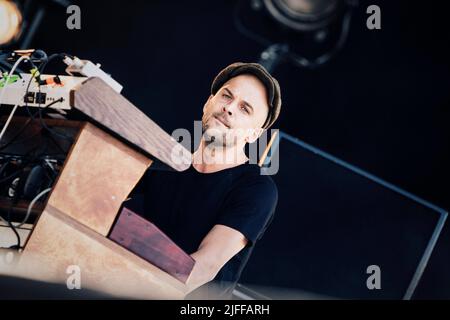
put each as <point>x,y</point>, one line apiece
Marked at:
<point>303,15</point>
<point>307,33</point>
<point>10,21</point>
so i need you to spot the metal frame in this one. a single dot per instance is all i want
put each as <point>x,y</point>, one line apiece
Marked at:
<point>437,231</point>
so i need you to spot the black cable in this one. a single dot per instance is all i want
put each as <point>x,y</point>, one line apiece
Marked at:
<point>49,59</point>
<point>13,139</point>
<point>27,90</point>
<point>16,198</point>
<point>25,163</point>
<point>18,171</point>
<point>26,124</point>
<point>43,124</point>
<point>32,117</point>
<point>57,144</point>
<point>13,228</point>
<point>36,75</point>
<point>9,67</point>
<point>41,70</point>
<point>12,175</point>
<point>38,71</point>
<point>21,140</point>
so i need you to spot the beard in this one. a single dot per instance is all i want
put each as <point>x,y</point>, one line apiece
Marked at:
<point>217,136</point>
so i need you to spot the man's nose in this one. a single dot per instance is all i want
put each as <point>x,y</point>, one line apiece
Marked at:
<point>227,109</point>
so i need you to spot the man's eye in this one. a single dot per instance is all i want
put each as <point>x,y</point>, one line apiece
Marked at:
<point>226,96</point>
<point>245,109</point>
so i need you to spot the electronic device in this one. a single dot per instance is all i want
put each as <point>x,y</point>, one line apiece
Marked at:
<point>52,88</point>
<point>38,90</point>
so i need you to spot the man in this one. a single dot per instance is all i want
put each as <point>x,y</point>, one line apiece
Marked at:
<point>218,208</point>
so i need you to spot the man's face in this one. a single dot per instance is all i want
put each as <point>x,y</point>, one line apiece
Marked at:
<point>235,114</point>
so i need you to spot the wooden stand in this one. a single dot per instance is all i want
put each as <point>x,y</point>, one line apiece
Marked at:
<point>100,171</point>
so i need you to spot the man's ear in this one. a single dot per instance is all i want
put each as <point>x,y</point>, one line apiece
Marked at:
<point>254,135</point>
<point>206,103</point>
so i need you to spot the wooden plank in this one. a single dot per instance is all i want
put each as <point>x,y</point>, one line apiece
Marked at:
<point>97,176</point>
<point>59,241</point>
<point>100,102</point>
<point>147,241</point>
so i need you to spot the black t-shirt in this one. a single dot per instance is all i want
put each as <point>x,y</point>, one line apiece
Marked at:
<point>186,205</point>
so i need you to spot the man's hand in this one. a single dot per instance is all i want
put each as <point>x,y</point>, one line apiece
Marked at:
<point>219,246</point>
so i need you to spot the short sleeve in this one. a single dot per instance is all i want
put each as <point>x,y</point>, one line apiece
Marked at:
<point>250,206</point>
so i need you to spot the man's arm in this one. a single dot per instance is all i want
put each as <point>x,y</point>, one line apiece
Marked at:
<point>219,246</point>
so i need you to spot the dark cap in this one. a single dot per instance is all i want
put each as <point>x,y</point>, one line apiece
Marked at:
<point>271,84</point>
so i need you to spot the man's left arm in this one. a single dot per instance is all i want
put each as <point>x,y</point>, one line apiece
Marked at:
<point>216,249</point>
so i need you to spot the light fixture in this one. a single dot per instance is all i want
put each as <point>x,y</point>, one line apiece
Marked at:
<point>307,33</point>
<point>10,21</point>
<point>303,15</point>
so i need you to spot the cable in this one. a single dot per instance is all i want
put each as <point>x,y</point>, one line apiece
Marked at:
<point>36,73</point>
<point>31,205</point>
<point>27,123</point>
<point>3,93</point>
<point>9,77</point>
<point>33,73</point>
<point>8,220</point>
<point>8,121</point>
<point>50,58</point>
<point>19,132</point>
<point>15,232</point>
<point>26,104</point>
<point>41,70</point>
<point>9,66</point>
<point>43,124</point>
<point>23,165</point>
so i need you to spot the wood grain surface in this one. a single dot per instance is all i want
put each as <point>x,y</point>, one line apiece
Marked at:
<point>100,102</point>
<point>97,177</point>
<point>59,241</point>
<point>149,242</point>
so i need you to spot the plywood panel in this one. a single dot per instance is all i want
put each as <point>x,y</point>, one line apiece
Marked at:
<point>149,242</point>
<point>58,241</point>
<point>97,177</point>
<point>100,102</point>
